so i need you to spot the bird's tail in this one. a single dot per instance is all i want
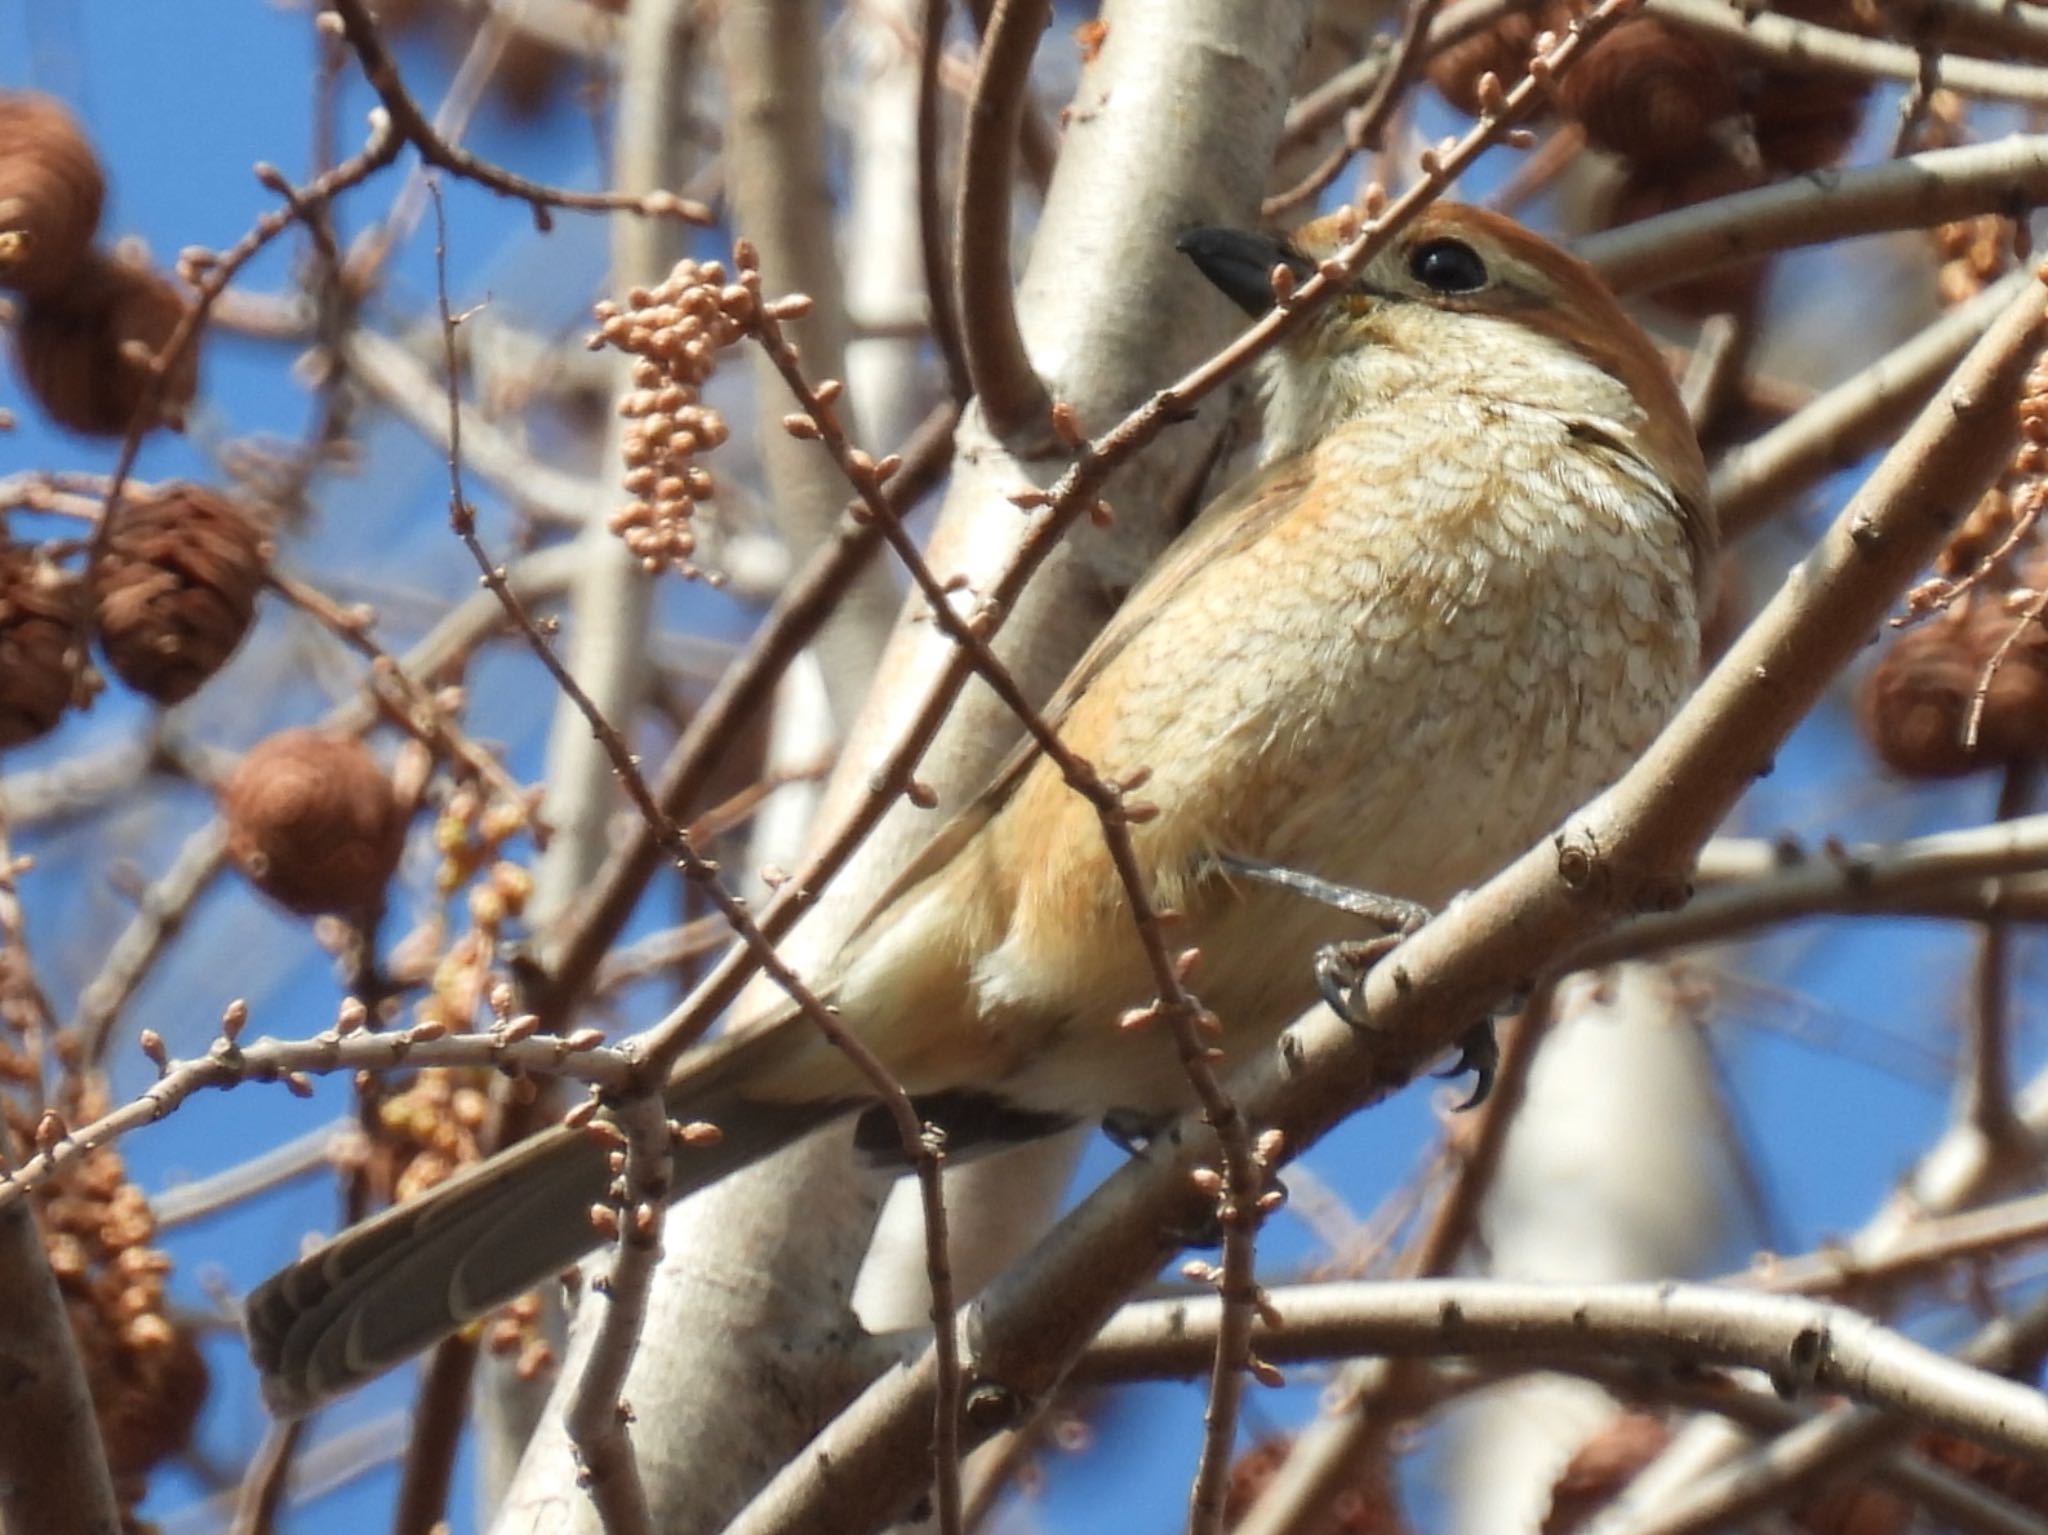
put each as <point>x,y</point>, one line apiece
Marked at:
<point>396,1284</point>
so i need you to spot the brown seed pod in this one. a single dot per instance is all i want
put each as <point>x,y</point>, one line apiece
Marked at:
<point>1803,122</point>
<point>164,1383</point>
<point>313,823</point>
<point>1648,192</point>
<point>1650,92</point>
<point>84,349</point>
<point>51,191</point>
<point>175,589</point>
<point>1915,704</point>
<point>39,652</point>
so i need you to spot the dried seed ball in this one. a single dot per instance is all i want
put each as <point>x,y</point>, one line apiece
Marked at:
<point>51,191</point>
<point>84,349</point>
<point>39,655</point>
<point>1650,92</point>
<point>164,1386</point>
<point>312,821</point>
<point>1502,50</point>
<point>1916,702</point>
<point>175,589</point>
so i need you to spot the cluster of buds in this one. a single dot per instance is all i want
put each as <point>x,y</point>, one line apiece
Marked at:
<point>1972,252</point>
<point>174,588</point>
<point>674,333</point>
<point>515,1332</point>
<point>91,322</point>
<point>430,1130</point>
<point>147,1377</point>
<point>470,834</point>
<point>42,663</point>
<point>314,822</point>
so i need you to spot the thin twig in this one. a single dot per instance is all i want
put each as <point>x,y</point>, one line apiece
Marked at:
<point>1984,1095</point>
<point>595,1417</point>
<point>1807,1346</point>
<point>514,1048</point>
<point>262,1493</point>
<point>940,300</point>
<point>1811,47</point>
<point>1365,129</point>
<point>1013,398</point>
<point>318,1150</point>
<point>1753,481</point>
<point>411,126</point>
<point>1931,187</point>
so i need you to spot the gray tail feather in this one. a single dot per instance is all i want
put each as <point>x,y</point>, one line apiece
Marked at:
<point>398,1283</point>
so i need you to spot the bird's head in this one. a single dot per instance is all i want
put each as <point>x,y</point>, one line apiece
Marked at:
<point>1461,300</point>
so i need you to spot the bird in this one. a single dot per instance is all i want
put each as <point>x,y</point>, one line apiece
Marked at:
<point>1456,597</point>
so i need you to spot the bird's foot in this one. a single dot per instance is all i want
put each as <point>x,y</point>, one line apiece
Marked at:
<point>1478,1053</point>
<point>1341,969</point>
<point>1388,912</point>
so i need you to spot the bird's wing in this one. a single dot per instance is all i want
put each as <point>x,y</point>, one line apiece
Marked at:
<point>1232,523</point>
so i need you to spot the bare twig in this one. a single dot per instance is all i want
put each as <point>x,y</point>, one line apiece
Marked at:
<point>1806,1346</point>
<point>514,1048</point>
<point>1984,1092</point>
<point>1013,399</point>
<point>940,300</point>
<point>1808,45</point>
<point>595,1416</point>
<point>1366,128</point>
<point>1911,193</point>
<point>1967,874</point>
<point>262,1494</point>
<point>411,126</point>
<point>1842,1437</point>
<point>1754,480</point>
<point>317,1150</point>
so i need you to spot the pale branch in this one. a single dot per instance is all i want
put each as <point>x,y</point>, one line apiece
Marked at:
<point>2006,176</point>
<point>515,1048</point>
<point>1978,873</point>
<point>1836,1440</point>
<point>596,1417</point>
<point>1805,1346</point>
<point>317,1150</point>
<point>1754,480</point>
<point>1804,45</point>
<point>1013,399</point>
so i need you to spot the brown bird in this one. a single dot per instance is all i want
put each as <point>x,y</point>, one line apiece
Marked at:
<point>1457,598</point>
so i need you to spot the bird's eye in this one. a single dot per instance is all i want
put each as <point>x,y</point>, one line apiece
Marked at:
<point>1447,266</point>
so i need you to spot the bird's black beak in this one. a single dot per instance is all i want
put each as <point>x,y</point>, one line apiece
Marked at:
<point>1241,263</point>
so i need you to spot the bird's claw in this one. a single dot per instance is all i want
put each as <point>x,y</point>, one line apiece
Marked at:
<point>1478,1053</point>
<point>1341,969</point>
